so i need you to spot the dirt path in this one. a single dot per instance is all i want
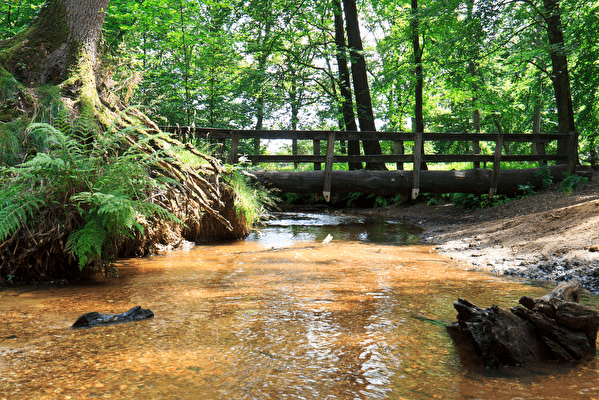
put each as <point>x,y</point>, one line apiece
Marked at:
<point>549,236</point>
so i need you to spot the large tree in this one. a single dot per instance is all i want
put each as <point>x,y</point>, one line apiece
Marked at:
<point>88,194</point>
<point>60,47</point>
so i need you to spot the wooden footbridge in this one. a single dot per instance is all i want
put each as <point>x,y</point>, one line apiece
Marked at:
<point>417,180</point>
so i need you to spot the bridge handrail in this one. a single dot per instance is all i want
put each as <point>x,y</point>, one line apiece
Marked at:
<point>219,133</point>
<point>539,139</point>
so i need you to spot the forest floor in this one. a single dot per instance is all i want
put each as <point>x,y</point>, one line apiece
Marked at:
<point>548,236</point>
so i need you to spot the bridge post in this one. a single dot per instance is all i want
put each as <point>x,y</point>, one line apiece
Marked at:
<point>496,165</point>
<point>328,168</point>
<point>417,161</point>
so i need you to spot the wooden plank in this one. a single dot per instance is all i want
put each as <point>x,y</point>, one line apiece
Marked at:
<point>362,135</point>
<point>496,165</point>
<point>417,158</point>
<point>328,169</point>
<point>407,158</point>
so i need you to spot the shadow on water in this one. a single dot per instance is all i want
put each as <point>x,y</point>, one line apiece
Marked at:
<point>280,315</point>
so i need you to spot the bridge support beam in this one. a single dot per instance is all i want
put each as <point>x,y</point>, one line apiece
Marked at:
<point>476,181</point>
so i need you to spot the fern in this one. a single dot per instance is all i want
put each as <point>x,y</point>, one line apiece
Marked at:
<point>86,244</point>
<point>107,180</point>
<point>16,209</point>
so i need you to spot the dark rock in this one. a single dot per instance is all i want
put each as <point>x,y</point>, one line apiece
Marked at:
<point>95,318</point>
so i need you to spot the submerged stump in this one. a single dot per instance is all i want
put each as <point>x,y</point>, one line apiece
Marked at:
<point>95,318</point>
<point>554,327</point>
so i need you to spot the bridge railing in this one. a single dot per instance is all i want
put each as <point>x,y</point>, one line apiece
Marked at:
<point>540,141</point>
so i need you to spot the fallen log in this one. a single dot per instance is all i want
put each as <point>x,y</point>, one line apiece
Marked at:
<point>476,181</point>
<point>554,327</point>
<point>95,318</point>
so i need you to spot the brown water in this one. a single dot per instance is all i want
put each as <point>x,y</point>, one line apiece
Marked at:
<point>248,320</point>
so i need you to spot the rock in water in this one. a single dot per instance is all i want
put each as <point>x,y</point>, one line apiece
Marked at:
<point>95,318</point>
<point>553,327</point>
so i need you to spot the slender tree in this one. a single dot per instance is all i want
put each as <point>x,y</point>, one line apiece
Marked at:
<point>418,123</point>
<point>360,79</point>
<point>560,76</point>
<point>347,107</point>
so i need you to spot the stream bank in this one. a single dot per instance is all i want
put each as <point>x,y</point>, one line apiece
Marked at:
<point>549,236</point>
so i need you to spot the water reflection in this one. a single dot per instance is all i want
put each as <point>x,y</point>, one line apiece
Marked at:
<point>245,321</point>
<point>290,228</point>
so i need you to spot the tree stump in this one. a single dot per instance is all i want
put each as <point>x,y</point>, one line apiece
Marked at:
<point>554,327</point>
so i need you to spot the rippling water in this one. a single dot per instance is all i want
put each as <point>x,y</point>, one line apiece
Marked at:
<point>268,318</point>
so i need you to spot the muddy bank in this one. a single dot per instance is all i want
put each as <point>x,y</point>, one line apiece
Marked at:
<point>550,236</point>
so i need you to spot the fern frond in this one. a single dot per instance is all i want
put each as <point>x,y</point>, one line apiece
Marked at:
<point>86,243</point>
<point>16,210</point>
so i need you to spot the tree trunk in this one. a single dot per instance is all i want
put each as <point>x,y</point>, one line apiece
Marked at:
<point>560,76</point>
<point>64,33</point>
<point>476,181</point>
<point>360,78</point>
<point>473,70</point>
<point>60,47</point>
<point>418,125</point>
<point>349,119</point>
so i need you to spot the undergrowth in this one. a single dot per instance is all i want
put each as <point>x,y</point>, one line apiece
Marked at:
<point>94,187</point>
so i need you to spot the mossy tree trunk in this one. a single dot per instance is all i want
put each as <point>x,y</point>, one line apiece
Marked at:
<point>60,48</point>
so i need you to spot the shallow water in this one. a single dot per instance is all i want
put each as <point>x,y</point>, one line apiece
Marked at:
<point>268,319</point>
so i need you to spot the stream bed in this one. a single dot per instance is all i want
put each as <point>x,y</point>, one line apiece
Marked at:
<point>280,315</point>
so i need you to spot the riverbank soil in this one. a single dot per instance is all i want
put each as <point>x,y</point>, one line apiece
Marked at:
<point>549,236</point>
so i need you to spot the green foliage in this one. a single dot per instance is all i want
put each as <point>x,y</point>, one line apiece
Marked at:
<point>435,200</point>
<point>16,208</point>
<point>106,181</point>
<point>357,199</point>
<point>250,201</point>
<point>571,182</point>
<point>526,190</point>
<point>16,15</point>
<point>544,174</point>
<point>471,201</point>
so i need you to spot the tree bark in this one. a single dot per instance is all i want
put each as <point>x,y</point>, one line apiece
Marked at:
<point>64,33</point>
<point>473,70</point>
<point>360,78</point>
<point>560,76</point>
<point>418,125</point>
<point>347,107</point>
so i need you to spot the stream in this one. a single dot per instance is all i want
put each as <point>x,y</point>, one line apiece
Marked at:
<point>279,315</point>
